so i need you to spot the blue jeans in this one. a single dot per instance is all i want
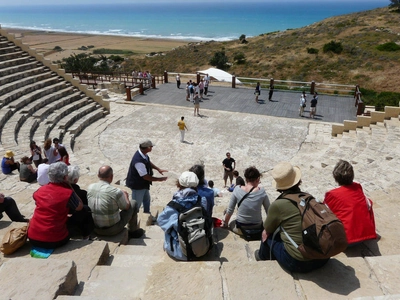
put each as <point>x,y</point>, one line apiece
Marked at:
<point>142,196</point>
<point>287,262</point>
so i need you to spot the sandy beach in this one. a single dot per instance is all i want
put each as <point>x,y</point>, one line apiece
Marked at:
<point>45,41</point>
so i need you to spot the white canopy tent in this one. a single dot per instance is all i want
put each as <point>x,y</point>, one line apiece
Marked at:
<point>219,75</point>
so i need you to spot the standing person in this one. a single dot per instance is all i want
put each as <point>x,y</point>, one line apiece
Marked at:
<point>313,106</point>
<point>36,153</point>
<point>140,175</point>
<point>228,168</point>
<point>316,97</point>
<point>187,91</point>
<point>50,152</point>
<point>26,172</point>
<point>206,87</point>
<point>349,203</point>
<point>282,213</point>
<point>8,164</point>
<point>257,92</point>
<point>302,104</point>
<point>249,199</point>
<point>196,103</point>
<point>178,81</point>
<point>182,127</point>
<point>271,89</point>
<point>111,207</point>
<point>201,88</point>
<point>191,91</point>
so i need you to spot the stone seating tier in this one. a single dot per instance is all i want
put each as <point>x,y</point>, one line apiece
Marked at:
<point>20,68</point>
<point>12,55</point>
<point>20,75</point>
<point>24,81</point>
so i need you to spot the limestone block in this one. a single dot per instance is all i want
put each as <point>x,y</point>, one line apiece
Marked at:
<point>139,250</point>
<point>363,121</point>
<point>237,251</point>
<point>197,280</point>
<point>337,129</point>
<point>349,125</point>
<point>118,282</point>
<point>257,280</point>
<point>340,278</point>
<point>386,269</point>
<point>86,255</point>
<point>392,112</point>
<point>377,116</point>
<point>29,278</point>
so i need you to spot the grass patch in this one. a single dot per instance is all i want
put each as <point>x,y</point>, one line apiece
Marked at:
<point>112,51</point>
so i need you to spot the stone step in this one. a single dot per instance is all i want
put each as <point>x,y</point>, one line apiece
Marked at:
<point>12,55</point>
<point>21,75</point>
<point>16,84</point>
<point>20,68</point>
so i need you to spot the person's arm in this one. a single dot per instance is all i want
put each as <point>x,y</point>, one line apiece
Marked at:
<point>234,165</point>
<point>229,211</point>
<point>128,203</point>
<point>186,128</point>
<point>161,171</point>
<point>1,197</point>
<point>75,202</point>
<point>30,168</point>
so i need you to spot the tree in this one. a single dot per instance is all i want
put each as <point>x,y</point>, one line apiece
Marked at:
<point>219,60</point>
<point>395,4</point>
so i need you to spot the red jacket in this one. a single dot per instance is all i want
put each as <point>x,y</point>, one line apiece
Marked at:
<point>354,209</point>
<point>49,221</point>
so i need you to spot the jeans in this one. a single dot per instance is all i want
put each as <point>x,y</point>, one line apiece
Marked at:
<point>142,196</point>
<point>11,209</point>
<point>287,262</point>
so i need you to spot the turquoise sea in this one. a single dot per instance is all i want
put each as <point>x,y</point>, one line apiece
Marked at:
<point>192,21</point>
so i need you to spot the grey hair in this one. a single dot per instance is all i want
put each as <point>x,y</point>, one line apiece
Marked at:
<point>57,172</point>
<point>73,173</point>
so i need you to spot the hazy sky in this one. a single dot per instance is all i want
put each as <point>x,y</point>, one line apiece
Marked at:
<point>54,2</point>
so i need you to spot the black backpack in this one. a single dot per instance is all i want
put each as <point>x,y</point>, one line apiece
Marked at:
<point>323,233</point>
<point>194,229</point>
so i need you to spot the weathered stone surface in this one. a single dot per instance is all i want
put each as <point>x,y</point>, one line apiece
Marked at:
<point>86,255</point>
<point>386,270</point>
<point>197,280</point>
<point>29,278</point>
<point>257,280</point>
<point>341,278</point>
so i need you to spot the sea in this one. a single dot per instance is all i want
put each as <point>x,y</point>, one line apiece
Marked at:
<point>189,21</point>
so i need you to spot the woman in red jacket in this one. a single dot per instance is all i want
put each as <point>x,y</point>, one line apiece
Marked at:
<point>350,205</point>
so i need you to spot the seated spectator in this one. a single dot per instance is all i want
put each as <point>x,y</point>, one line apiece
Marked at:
<point>168,219</point>
<point>282,212</point>
<point>64,156</point>
<point>73,178</point>
<point>111,207</point>
<point>8,164</point>
<point>238,181</point>
<point>249,198</point>
<point>26,172</point>
<point>48,227</point>
<point>202,188</point>
<point>217,192</point>
<point>42,172</point>
<point>349,203</point>
<point>50,152</point>
<point>8,205</point>
<point>36,153</point>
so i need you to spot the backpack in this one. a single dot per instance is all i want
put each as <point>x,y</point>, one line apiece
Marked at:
<point>323,233</point>
<point>194,229</point>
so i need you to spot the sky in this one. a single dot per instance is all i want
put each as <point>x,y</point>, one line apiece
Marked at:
<point>63,2</point>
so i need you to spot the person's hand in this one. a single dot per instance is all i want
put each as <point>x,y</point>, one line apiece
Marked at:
<point>224,224</point>
<point>161,171</point>
<point>1,197</point>
<point>163,178</point>
<point>264,236</point>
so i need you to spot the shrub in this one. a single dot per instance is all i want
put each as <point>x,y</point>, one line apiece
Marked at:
<point>57,48</point>
<point>312,51</point>
<point>219,60</point>
<point>332,46</point>
<point>390,46</point>
<point>240,58</point>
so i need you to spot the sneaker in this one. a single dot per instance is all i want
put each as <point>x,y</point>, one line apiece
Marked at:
<point>136,234</point>
<point>257,257</point>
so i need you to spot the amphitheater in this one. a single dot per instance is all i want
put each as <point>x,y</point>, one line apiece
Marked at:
<point>37,100</point>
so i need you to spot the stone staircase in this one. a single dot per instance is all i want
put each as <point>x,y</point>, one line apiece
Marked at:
<point>36,102</point>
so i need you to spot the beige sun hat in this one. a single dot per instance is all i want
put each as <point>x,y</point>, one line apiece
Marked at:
<point>9,154</point>
<point>285,175</point>
<point>188,179</point>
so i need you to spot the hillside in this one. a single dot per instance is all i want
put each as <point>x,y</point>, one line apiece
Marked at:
<point>283,54</point>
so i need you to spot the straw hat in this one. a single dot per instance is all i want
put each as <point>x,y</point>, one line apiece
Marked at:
<point>188,179</point>
<point>285,175</point>
<point>9,154</point>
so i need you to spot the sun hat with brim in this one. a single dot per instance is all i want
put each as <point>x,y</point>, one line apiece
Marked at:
<point>188,179</point>
<point>285,175</point>
<point>9,154</point>
<point>146,144</point>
